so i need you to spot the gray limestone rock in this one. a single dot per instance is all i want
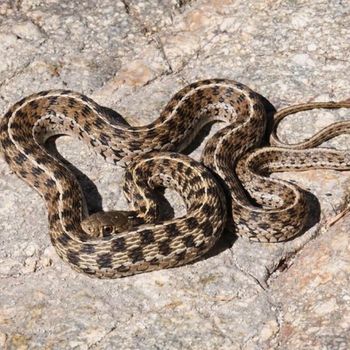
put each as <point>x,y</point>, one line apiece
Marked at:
<point>132,56</point>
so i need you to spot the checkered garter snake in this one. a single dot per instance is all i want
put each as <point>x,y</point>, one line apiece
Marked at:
<point>113,244</point>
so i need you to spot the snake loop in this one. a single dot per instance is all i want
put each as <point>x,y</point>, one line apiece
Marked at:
<point>117,244</point>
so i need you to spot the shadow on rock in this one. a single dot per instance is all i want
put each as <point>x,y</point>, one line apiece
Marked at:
<point>90,191</point>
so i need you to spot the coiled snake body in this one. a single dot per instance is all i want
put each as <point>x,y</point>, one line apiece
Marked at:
<point>111,244</point>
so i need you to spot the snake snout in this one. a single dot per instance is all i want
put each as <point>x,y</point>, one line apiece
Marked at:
<point>105,224</point>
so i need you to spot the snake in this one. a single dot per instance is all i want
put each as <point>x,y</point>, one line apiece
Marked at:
<point>229,186</point>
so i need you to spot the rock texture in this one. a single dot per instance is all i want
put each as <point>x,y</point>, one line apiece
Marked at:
<point>132,55</point>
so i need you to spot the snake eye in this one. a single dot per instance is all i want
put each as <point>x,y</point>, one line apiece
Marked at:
<point>107,230</point>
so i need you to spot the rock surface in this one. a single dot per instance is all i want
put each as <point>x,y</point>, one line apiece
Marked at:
<point>131,56</point>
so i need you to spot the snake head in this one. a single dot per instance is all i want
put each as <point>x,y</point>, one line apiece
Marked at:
<point>105,224</point>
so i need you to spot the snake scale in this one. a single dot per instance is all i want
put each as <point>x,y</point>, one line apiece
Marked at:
<point>117,244</point>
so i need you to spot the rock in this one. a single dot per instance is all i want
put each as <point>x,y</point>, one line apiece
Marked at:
<point>136,73</point>
<point>317,296</point>
<point>27,31</point>
<point>31,249</point>
<point>303,60</point>
<point>3,339</point>
<point>9,266</point>
<point>132,56</point>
